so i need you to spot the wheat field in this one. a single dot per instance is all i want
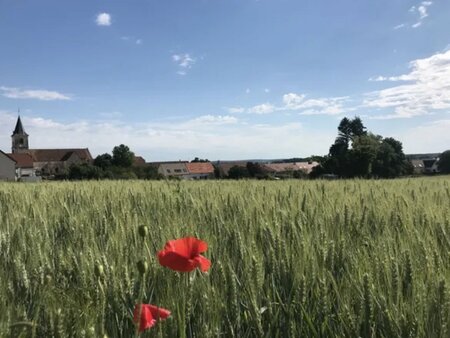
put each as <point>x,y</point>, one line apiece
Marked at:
<point>349,258</point>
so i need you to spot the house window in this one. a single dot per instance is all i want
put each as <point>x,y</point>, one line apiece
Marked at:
<point>168,170</point>
<point>178,170</point>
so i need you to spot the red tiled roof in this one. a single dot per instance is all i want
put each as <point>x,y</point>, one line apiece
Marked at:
<point>200,168</point>
<point>57,155</point>
<point>22,160</point>
<point>138,161</point>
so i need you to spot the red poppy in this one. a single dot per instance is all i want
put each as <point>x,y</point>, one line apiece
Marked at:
<point>184,255</point>
<point>149,315</point>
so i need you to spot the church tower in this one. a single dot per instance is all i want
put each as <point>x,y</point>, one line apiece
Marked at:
<point>19,138</point>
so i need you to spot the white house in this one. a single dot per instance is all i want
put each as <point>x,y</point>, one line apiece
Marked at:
<point>7,167</point>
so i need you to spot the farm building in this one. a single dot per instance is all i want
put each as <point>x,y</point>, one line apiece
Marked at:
<point>7,167</point>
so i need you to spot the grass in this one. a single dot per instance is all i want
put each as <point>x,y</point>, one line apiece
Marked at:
<point>290,259</point>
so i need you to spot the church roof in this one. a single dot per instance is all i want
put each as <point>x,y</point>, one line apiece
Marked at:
<point>19,128</point>
<point>22,160</point>
<point>59,155</point>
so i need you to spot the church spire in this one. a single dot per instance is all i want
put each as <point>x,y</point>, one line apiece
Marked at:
<point>19,138</point>
<point>19,128</point>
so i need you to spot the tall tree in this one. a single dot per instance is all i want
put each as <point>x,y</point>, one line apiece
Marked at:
<point>444,162</point>
<point>122,156</point>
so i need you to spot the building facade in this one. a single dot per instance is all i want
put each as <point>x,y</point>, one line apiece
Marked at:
<point>7,167</point>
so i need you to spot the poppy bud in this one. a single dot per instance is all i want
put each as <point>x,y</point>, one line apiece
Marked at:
<point>99,270</point>
<point>142,267</point>
<point>143,231</point>
<point>48,279</point>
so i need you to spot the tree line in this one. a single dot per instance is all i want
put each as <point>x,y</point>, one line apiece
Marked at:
<point>355,152</point>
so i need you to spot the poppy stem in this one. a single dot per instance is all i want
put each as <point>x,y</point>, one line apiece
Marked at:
<point>140,302</point>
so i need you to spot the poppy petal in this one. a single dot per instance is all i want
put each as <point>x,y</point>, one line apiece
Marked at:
<point>203,263</point>
<point>143,317</point>
<point>176,262</point>
<point>159,312</point>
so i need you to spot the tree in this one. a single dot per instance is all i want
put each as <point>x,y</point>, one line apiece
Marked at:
<point>237,172</point>
<point>103,161</point>
<point>84,171</point>
<point>357,153</point>
<point>255,170</point>
<point>390,160</point>
<point>444,162</point>
<point>349,129</point>
<point>362,155</point>
<point>122,156</point>
<point>199,160</point>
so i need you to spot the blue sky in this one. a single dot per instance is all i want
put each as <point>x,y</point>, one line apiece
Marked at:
<point>224,79</point>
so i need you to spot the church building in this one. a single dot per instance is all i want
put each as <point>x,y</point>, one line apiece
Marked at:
<point>45,162</point>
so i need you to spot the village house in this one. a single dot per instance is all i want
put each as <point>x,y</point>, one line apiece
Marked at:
<point>185,170</point>
<point>280,169</point>
<point>46,162</point>
<point>25,171</point>
<point>7,167</point>
<point>200,170</point>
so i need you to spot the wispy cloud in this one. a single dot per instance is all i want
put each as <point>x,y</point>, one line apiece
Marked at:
<point>422,11</point>
<point>103,19</point>
<point>184,62</point>
<point>265,108</point>
<point>132,39</point>
<point>215,119</point>
<point>427,89</point>
<point>235,110</point>
<point>39,94</point>
<point>299,103</point>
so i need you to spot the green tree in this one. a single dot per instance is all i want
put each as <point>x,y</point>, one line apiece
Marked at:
<point>255,170</point>
<point>363,153</point>
<point>103,161</point>
<point>390,160</point>
<point>237,172</point>
<point>444,162</point>
<point>122,156</point>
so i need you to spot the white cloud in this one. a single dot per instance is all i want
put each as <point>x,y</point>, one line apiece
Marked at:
<point>428,138</point>
<point>299,102</point>
<point>103,19</point>
<point>266,90</point>
<point>213,137</point>
<point>236,110</point>
<point>406,77</point>
<point>319,106</point>
<point>43,95</point>
<point>402,25</point>
<point>427,89</point>
<point>265,108</point>
<point>184,62</point>
<point>215,119</point>
<point>247,91</point>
